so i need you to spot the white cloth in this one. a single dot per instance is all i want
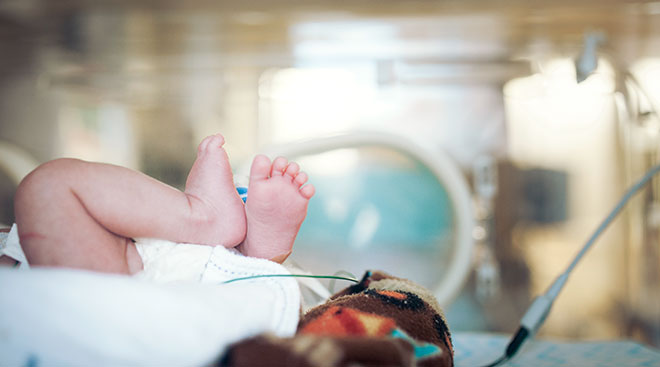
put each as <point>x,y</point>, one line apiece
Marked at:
<point>166,261</point>
<point>187,318</point>
<point>10,246</point>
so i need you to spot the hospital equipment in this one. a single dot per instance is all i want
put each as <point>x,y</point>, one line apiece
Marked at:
<point>485,187</point>
<point>540,308</point>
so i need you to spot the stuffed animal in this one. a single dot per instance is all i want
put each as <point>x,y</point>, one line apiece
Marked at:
<point>380,321</point>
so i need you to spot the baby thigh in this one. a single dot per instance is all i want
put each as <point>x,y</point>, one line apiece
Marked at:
<point>56,229</point>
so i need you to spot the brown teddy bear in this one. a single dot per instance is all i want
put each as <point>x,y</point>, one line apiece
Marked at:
<point>380,321</point>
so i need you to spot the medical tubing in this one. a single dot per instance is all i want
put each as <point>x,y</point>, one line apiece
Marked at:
<point>540,308</point>
<point>291,276</point>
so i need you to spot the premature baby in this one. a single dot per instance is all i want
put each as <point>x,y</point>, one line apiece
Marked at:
<point>77,214</point>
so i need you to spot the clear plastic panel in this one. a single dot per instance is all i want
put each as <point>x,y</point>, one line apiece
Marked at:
<point>375,208</point>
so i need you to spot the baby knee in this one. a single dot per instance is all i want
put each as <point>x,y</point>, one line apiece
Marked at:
<point>48,176</point>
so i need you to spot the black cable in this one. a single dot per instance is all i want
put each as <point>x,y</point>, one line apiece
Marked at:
<point>499,361</point>
<point>512,348</point>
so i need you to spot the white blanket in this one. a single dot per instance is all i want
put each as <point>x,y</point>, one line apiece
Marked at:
<point>77,318</point>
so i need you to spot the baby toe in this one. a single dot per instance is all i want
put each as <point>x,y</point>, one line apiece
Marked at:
<point>204,144</point>
<point>279,165</point>
<point>260,168</point>
<point>292,169</point>
<point>308,191</point>
<point>217,141</point>
<point>300,179</point>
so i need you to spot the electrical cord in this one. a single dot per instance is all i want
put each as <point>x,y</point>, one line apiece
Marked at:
<point>538,311</point>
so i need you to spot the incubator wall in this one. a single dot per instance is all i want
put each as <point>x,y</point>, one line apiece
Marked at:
<point>139,86</point>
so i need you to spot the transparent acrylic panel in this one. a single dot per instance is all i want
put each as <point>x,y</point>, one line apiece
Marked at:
<point>375,208</point>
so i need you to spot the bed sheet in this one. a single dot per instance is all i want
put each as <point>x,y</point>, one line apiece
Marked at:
<point>479,349</point>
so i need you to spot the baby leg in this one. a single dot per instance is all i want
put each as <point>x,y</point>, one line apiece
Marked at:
<point>79,214</point>
<point>275,209</point>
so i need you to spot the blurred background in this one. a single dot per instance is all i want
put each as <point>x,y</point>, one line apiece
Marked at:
<point>493,136</point>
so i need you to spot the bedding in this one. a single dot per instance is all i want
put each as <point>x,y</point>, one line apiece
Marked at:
<point>381,321</point>
<point>10,247</point>
<point>78,318</point>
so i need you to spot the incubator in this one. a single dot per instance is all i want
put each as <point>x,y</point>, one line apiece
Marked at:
<point>470,147</point>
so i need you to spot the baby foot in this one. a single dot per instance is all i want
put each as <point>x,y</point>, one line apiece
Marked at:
<point>275,209</point>
<point>212,195</point>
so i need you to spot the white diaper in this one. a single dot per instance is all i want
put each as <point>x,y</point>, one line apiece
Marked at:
<point>166,261</point>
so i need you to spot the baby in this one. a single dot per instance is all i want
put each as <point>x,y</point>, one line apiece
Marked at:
<point>77,214</point>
